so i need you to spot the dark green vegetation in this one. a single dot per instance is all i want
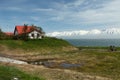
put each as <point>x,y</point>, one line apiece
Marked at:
<point>12,73</point>
<point>3,36</point>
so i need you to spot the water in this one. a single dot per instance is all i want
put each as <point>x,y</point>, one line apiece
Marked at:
<point>63,65</point>
<point>68,65</point>
<point>94,42</point>
<point>48,64</point>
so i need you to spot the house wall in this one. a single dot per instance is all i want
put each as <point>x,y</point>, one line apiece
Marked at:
<point>15,32</point>
<point>34,35</point>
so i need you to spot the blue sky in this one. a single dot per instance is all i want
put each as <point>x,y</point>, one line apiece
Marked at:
<point>60,15</point>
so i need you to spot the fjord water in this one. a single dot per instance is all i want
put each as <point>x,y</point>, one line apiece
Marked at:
<point>94,42</point>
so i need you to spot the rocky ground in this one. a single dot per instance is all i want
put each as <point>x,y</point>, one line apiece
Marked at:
<point>9,60</point>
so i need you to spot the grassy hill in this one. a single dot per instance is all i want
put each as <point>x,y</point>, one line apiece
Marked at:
<point>46,45</point>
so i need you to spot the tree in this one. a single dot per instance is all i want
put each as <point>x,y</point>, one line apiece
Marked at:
<point>40,29</point>
<point>2,35</point>
<point>24,35</point>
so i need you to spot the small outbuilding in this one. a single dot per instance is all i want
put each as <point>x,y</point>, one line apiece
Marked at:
<point>9,33</point>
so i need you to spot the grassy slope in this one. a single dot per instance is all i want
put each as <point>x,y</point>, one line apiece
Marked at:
<point>46,45</point>
<point>46,42</point>
<point>9,73</point>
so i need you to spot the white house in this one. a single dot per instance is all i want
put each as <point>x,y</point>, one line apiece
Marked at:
<point>31,31</point>
<point>35,35</point>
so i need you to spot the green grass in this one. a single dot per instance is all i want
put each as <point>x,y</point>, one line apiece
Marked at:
<point>100,61</point>
<point>9,73</point>
<point>83,47</point>
<point>97,47</point>
<point>46,42</point>
<point>43,45</point>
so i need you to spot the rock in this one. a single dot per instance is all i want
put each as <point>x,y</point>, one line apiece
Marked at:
<point>4,59</point>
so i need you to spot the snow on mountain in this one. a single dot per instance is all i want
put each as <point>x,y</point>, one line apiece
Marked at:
<point>95,31</point>
<point>68,33</point>
<point>111,32</point>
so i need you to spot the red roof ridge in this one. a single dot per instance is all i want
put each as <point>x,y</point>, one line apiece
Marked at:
<point>20,29</point>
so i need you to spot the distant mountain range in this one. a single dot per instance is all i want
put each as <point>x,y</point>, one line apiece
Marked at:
<point>94,33</point>
<point>112,31</point>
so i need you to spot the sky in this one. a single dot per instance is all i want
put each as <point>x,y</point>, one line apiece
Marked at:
<point>60,15</point>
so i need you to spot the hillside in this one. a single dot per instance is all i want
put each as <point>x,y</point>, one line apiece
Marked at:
<point>44,46</point>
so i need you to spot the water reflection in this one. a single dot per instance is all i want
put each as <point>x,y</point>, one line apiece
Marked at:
<point>49,64</point>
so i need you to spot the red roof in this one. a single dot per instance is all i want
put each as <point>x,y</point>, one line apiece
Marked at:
<point>9,33</point>
<point>20,29</point>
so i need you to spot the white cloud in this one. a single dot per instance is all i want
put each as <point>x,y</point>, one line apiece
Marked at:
<point>43,9</point>
<point>35,18</point>
<point>75,13</point>
<point>14,8</point>
<point>58,18</point>
<point>76,3</point>
<point>11,8</point>
<point>109,13</point>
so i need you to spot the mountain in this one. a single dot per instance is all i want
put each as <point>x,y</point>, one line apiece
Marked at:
<point>112,31</point>
<point>94,33</point>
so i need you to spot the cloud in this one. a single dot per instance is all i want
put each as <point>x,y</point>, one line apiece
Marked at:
<point>13,8</point>
<point>43,9</point>
<point>75,4</point>
<point>109,13</point>
<point>86,12</point>
<point>63,14</point>
<point>35,18</point>
<point>58,18</point>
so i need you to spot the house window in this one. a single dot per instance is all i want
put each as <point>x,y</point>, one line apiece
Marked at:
<point>32,35</point>
<point>38,35</point>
